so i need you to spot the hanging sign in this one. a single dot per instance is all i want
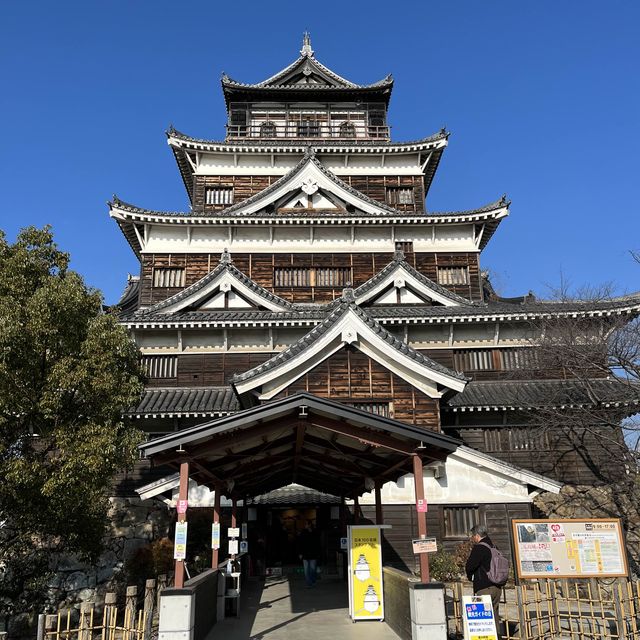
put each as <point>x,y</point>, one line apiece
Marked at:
<point>233,532</point>
<point>366,595</point>
<point>477,618</point>
<point>244,531</point>
<point>215,535</point>
<point>182,506</point>
<point>424,545</point>
<point>233,547</point>
<point>421,506</point>
<point>180,542</point>
<point>244,546</point>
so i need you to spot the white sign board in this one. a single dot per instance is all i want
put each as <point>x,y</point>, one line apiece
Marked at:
<point>180,542</point>
<point>477,618</point>
<point>233,532</point>
<point>215,535</point>
<point>233,547</point>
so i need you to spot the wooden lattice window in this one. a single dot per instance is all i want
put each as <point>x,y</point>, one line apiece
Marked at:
<point>168,277</point>
<point>524,439</point>
<point>308,129</point>
<point>312,277</point>
<point>453,275</point>
<point>493,439</point>
<point>473,360</point>
<point>458,521</point>
<point>400,195</point>
<point>160,366</point>
<point>405,247</point>
<point>377,408</point>
<point>518,359</point>
<point>218,195</point>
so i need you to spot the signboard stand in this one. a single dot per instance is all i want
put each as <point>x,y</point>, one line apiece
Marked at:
<point>477,618</point>
<point>366,592</point>
<point>569,548</point>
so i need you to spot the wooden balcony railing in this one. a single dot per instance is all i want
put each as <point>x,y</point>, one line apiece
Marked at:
<point>307,130</point>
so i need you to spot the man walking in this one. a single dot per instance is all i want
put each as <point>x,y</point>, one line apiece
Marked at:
<point>309,550</point>
<point>478,567</point>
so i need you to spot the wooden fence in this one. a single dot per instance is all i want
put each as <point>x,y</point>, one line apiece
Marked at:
<point>136,619</point>
<point>560,609</point>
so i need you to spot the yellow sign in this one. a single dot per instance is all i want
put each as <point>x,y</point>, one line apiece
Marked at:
<point>366,595</point>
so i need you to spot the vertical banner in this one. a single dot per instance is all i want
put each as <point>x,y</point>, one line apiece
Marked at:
<point>477,618</point>
<point>366,595</point>
<point>215,535</point>
<point>180,543</point>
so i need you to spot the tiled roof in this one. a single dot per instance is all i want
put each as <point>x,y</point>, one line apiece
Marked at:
<point>294,494</point>
<point>184,402</point>
<point>346,304</point>
<point>129,298</point>
<point>225,265</point>
<point>528,394</point>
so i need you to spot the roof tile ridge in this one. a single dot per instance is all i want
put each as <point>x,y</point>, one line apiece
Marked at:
<point>117,203</point>
<point>501,203</point>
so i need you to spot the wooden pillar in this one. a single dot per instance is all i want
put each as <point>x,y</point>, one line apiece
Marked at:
<point>418,479</point>
<point>216,518</point>
<point>379,518</point>
<point>343,517</point>
<point>234,512</point>
<point>183,493</point>
<point>356,510</point>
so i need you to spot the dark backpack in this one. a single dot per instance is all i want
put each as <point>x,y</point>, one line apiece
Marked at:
<point>499,568</point>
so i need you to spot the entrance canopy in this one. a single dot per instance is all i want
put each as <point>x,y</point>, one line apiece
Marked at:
<point>319,443</point>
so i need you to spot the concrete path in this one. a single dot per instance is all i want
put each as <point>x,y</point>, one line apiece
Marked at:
<point>283,608</point>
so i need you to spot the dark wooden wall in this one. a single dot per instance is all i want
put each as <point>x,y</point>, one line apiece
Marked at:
<point>246,186</point>
<point>260,268</point>
<point>397,550</point>
<point>351,375</point>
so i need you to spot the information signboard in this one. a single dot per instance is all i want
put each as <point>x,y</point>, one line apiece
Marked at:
<point>569,548</point>
<point>424,545</point>
<point>477,618</point>
<point>215,535</point>
<point>180,542</point>
<point>366,593</point>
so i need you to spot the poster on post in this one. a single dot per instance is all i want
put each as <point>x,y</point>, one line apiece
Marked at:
<point>180,542</point>
<point>569,548</point>
<point>366,595</point>
<point>477,618</point>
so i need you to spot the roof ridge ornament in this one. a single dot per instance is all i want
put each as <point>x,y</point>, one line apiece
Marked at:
<point>306,45</point>
<point>398,256</point>
<point>225,257</point>
<point>348,296</point>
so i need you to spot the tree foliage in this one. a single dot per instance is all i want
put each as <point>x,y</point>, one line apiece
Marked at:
<point>67,371</point>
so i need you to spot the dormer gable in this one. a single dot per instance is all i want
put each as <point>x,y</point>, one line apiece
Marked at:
<point>224,288</point>
<point>401,284</point>
<point>348,326</point>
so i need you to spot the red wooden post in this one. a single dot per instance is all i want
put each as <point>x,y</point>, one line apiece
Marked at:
<point>379,518</point>
<point>422,516</point>
<point>183,493</point>
<point>356,510</point>
<point>234,512</point>
<point>216,518</point>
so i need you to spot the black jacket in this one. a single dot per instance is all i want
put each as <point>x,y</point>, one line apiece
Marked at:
<point>478,565</point>
<point>309,545</point>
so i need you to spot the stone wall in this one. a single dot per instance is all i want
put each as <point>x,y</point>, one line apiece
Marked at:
<point>134,524</point>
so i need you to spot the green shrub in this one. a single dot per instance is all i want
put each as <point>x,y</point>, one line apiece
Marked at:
<point>443,567</point>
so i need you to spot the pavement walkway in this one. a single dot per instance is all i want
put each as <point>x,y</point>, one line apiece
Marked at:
<point>284,609</point>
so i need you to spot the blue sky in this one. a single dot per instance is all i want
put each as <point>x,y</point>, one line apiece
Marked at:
<point>542,99</point>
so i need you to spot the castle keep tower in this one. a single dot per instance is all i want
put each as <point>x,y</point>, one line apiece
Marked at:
<point>310,263</point>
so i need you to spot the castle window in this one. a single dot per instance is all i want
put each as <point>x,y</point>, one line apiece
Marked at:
<point>312,277</point>
<point>218,195</point>
<point>453,275</point>
<point>518,359</point>
<point>400,195</point>
<point>308,129</point>
<point>347,130</point>
<point>160,366</point>
<point>268,129</point>
<point>405,247</point>
<point>473,360</point>
<point>523,439</point>
<point>377,408</point>
<point>168,277</point>
<point>458,521</point>
<point>493,440</point>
